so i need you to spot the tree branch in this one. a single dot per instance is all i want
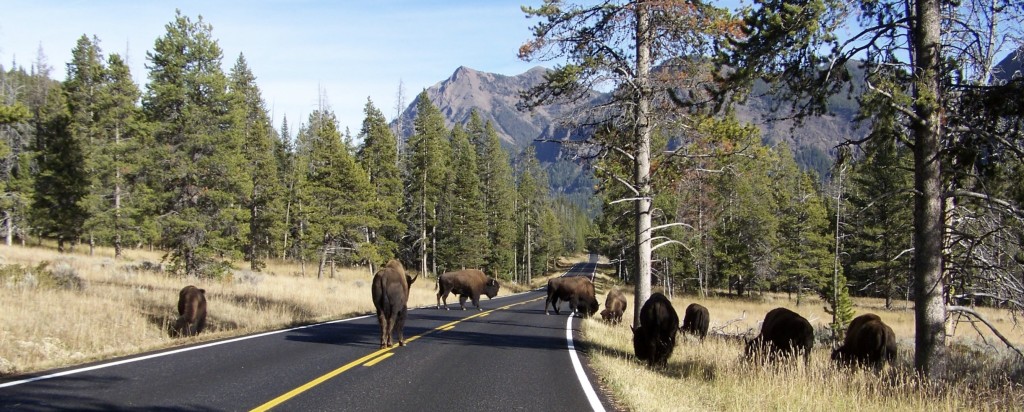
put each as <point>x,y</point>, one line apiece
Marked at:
<point>976,315</point>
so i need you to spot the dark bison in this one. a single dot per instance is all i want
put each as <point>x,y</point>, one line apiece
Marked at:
<point>577,290</point>
<point>655,338</point>
<point>465,283</point>
<point>390,291</point>
<point>614,306</point>
<point>783,332</point>
<point>696,320</point>
<point>869,341</point>
<point>191,311</point>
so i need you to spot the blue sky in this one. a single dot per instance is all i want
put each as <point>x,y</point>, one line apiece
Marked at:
<point>349,49</point>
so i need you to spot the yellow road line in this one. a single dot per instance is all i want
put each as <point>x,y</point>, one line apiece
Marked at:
<point>366,360</point>
<point>378,359</point>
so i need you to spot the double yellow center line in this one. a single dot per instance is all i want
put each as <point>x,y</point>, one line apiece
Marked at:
<point>371,359</point>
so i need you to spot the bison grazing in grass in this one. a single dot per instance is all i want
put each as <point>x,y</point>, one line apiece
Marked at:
<point>696,320</point>
<point>783,332</point>
<point>191,311</point>
<point>577,290</point>
<point>869,341</point>
<point>465,283</point>
<point>614,306</point>
<point>390,291</point>
<point>655,338</point>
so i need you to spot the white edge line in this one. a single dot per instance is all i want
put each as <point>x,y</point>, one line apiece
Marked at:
<point>588,389</point>
<point>168,353</point>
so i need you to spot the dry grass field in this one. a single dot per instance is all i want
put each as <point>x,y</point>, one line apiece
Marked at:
<point>98,308</point>
<point>712,375</point>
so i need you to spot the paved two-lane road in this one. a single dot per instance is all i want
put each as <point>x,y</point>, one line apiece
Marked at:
<point>509,357</point>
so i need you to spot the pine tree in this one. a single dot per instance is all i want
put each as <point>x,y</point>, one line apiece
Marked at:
<point>498,189</point>
<point>203,180</point>
<point>379,158</point>
<point>531,194</point>
<point>119,162</point>
<point>61,183</point>
<point>264,201</point>
<point>463,228</point>
<point>427,160</point>
<point>84,87</point>
<point>285,159</point>
<point>335,193</point>
<point>804,240</point>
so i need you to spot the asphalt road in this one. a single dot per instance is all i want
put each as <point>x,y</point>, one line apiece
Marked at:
<point>510,356</point>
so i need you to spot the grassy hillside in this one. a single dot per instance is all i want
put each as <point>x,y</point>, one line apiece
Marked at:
<point>712,375</point>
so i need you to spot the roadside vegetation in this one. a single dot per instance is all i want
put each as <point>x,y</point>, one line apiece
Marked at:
<point>712,375</point>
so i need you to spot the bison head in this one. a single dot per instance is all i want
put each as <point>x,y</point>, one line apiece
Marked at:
<point>491,288</point>
<point>641,343</point>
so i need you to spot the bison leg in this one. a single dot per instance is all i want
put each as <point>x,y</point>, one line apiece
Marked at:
<point>400,325</point>
<point>462,301</point>
<point>476,302</point>
<point>382,319</point>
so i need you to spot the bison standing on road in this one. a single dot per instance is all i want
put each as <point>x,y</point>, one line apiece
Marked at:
<point>869,341</point>
<point>614,306</point>
<point>465,283</point>
<point>696,320</point>
<point>191,311</point>
<point>655,338</point>
<point>577,290</point>
<point>782,332</point>
<point>390,291</point>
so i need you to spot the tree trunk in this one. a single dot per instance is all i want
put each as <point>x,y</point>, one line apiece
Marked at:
<point>9,219</point>
<point>929,309</point>
<point>642,173</point>
<point>117,201</point>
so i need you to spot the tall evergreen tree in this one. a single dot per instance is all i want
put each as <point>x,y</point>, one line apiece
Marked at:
<point>498,189</point>
<point>426,173</point>
<point>335,193</point>
<point>121,196</point>
<point>531,193</point>
<point>84,87</point>
<point>61,183</point>
<point>379,158</point>
<point>203,181</point>
<point>463,228</point>
<point>805,245</point>
<point>264,201</point>
<point>285,156</point>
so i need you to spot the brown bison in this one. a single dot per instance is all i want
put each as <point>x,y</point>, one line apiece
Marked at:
<point>655,338</point>
<point>869,341</point>
<point>783,332</point>
<point>465,283</point>
<point>696,320</point>
<point>614,306</point>
<point>191,311</point>
<point>390,291</point>
<point>577,290</point>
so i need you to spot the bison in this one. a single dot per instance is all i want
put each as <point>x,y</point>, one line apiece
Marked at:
<point>191,311</point>
<point>390,290</point>
<point>869,341</point>
<point>655,338</point>
<point>783,332</point>
<point>577,290</point>
<point>696,320</point>
<point>614,306</point>
<point>465,283</point>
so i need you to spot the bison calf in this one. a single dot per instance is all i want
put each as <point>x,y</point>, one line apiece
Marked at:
<point>577,290</point>
<point>465,283</point>
<point>869,341</point>
<point>783,332</point>
<point>696,320</point>
<point>390,291</point>
<point>655,338</point>
<point>191,311</point>
<point>614,306</point>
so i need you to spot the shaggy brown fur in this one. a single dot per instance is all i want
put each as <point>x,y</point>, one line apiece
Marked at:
<point>465,283</point>
<point>191,311</point>
<point>390,290</point>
